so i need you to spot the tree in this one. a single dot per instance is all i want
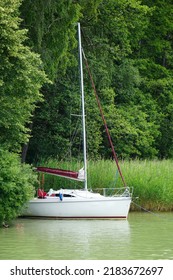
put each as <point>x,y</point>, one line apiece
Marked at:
<point>129,50</point>
<point>155,55</point>
<point>109,37</point>
<point>52,26</point>
<point>112,43</point>
<point>16,185</point>
<point>21,77</point>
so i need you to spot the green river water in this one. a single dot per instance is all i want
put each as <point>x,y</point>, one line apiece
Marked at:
<point>143,236</point>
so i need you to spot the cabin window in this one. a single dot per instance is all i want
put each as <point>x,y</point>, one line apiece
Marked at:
<point>64,195</point>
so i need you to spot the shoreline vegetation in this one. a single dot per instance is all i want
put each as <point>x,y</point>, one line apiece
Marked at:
<point>152,180</point>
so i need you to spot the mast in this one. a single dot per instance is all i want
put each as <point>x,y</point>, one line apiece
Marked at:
<point>83,105</point>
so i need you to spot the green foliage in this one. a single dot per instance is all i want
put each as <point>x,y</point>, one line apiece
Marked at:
<point>128,45</point>
<point>21,78</point>
<point>132,133</point>
<point>155,54</point>
<point>52,26</point>
<point>16,185</point>
<point>117,80</point>
<point>54,125</point>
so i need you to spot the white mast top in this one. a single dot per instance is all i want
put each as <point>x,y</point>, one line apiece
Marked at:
<point>83,107</point>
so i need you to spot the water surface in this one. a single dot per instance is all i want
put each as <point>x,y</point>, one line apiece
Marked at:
<point>142,236</point>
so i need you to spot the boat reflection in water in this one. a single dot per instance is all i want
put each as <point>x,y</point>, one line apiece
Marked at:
<point>73,239</point>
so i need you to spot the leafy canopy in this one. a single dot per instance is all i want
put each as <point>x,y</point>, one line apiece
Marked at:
<point>21,77</point>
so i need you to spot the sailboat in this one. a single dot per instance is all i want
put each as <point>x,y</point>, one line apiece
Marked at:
<point>79,203</point>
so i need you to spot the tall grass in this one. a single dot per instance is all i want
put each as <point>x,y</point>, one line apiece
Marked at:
<point>152,181</point>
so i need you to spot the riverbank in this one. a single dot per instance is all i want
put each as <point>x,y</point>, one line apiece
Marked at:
<point>152,180</point>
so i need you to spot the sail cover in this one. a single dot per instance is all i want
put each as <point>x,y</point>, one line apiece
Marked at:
<point>79,176</point>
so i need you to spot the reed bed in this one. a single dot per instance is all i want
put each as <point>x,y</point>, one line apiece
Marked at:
<point>152,181</point>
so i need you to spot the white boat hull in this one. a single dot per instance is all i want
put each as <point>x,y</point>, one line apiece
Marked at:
<point>107,207</point>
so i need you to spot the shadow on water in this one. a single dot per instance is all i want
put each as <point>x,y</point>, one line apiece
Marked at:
<point>142,236</point>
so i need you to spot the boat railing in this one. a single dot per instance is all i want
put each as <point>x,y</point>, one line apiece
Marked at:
<point>128,191</point>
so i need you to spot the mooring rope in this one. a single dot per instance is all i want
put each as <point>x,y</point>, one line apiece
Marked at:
<point>144,209</point>
<point>151,212</point>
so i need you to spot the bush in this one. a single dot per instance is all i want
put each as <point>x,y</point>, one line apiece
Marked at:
<point>16,185</point>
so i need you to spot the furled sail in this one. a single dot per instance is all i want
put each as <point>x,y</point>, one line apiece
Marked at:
<point>79,176</point>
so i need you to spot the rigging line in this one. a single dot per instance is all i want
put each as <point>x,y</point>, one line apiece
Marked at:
<point>116,177</point>
<point>73,136</point>
<point>104,120</point>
